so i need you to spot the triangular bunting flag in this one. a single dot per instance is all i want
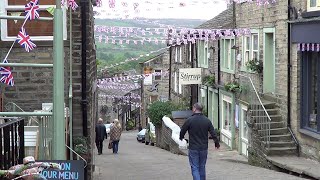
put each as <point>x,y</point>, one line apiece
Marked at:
<point>51,10</point>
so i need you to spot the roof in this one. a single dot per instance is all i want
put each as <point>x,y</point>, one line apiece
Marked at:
<point>222,20</point>
<point>181,114</point>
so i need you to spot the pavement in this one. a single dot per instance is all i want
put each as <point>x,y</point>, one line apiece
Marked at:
<point>136,161</point>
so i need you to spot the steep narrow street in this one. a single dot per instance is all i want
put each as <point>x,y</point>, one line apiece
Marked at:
<point>137,161</point>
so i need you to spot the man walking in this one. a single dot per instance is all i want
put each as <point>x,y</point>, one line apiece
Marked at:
<point>101,133</point>
<point>198,127</point>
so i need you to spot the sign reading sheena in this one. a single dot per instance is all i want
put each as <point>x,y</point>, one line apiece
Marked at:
<point>190,76</point>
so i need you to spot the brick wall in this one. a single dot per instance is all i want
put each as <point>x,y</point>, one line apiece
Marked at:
<point>34,86</point>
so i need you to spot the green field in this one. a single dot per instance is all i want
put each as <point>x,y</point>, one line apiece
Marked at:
<point>108,54</point>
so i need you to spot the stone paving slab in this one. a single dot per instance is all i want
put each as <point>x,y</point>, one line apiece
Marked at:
<point>137,161</point>
<point>297,164</point>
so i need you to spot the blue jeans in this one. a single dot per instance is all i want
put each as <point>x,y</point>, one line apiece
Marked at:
<point>198,160</point>
<point>115,146</point>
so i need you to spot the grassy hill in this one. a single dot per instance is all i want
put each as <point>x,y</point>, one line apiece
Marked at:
<point>108,54</point>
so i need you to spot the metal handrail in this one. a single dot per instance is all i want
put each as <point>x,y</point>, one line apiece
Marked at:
<point>14,104</point>
<point>267,139</point>
<point>257,95</point>
<point>295,140</point>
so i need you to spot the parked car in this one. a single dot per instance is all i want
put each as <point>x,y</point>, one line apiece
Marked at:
<point>108,127</point>
<point>150,137</point>
<point>141,135</point>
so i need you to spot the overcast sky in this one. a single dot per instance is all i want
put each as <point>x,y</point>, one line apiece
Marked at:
<point>193,9</point>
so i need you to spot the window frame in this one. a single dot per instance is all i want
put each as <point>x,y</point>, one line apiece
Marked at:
<point>310,9</point>
<point>175,82</point>
<point>4,7</point>
<point>202,54</point>
<point>154,77</point>
<point>254,32</point>
<point>232,54</point>
<point>190,52</point>
<point>229,101</point>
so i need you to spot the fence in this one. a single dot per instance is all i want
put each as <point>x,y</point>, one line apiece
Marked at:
<point>11,141</point>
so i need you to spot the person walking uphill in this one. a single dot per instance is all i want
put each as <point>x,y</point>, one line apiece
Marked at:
<point>198,127</point>
<point>115,134</point>
<point>101,133</point>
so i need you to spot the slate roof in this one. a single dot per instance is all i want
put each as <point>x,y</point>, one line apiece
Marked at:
<point>222,20</point>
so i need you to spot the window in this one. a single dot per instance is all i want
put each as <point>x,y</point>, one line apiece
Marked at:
<point>244,126</point>
<point>313,5</point>
<point>38,30</point>
<point>190,52</point>
<point>178,56</point>
<point>250,48</point>
<point>310,105</point>
<point>226,113</point>
<point>175,81</point>
<point>203,54</point>
<point>227,55</point>
<point>157,76</point>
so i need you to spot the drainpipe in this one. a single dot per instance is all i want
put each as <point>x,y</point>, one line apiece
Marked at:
<point>170,71</point>
<point>219,79</point>
<point>84,100</point>
<point>70,88</point>
<point>192,85</point>
<point>289,67</point>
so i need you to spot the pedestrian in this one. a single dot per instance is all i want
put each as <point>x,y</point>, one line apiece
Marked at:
<point>115,134</point>
<point>198,127</point>
<point>140,127</point>
<point>101,133</point>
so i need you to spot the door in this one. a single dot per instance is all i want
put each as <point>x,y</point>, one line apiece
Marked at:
<point>243,130</point>
<point>269,61</point>
<point>215,110</point>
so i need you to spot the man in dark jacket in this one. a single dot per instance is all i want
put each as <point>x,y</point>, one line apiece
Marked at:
<point>198,127</point>
<point>101,133</point>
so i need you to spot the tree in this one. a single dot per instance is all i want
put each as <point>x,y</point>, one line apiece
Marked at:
<point>158,109</point>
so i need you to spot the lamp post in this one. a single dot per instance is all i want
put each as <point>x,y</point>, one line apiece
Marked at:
<point>59,143</point>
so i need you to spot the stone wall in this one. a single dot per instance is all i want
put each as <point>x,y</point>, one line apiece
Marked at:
<point>34,86</point>
<point>160,62</point>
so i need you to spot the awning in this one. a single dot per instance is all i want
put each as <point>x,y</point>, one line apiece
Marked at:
<point>305,32</point>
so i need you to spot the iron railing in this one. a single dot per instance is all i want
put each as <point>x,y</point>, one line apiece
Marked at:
<point>11,141</point>
<point>258,112</point>
<point>13,107</point>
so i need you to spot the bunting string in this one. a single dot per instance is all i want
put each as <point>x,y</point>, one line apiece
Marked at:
<point>130,78</point>
<point>119,97</point>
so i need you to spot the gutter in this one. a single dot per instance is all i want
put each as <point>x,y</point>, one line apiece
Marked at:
<point>289,68</point>
<point>84,101</point>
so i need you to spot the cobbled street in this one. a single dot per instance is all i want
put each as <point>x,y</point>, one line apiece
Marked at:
<point>137,161</point>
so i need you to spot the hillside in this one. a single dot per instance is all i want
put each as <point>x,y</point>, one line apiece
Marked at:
<point>110,54</point>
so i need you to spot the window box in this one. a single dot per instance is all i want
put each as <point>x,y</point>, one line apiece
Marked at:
<point>38,30</point>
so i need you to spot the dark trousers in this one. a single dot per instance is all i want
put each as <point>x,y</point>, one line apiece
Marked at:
<point>99,144</point>
<point>198,160</point>
<point>115,146</point>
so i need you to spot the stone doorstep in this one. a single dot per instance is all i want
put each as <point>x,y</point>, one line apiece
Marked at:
<point>297,164</point>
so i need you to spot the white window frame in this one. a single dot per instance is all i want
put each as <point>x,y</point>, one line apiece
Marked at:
<point>180,55</point>
<point>190,52</point>
<point>176,54</point>
<point>243,108</point>
<point>228,100</point>
<point>227,65</point>
<point>316,8</point>
<point>154,77</point>
<point>251,51</point>
<point>206,54</point>
<point>175,82</point>
<point>4,7</point>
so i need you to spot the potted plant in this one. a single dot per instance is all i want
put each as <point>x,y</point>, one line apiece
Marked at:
<point>209,80</point>
<point>255,65</point>
<point>129,125</point>
<point>233,87</point>
<point>81,146</point>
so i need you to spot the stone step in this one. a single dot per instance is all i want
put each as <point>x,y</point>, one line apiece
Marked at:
<point>276,131</point>
<point>261,111</point>
<point>266,104</point>
<point>274,118</point>
<point>282,137</point>
<point>281,151</point>
<point>281,143</point>
<point>273,125</point>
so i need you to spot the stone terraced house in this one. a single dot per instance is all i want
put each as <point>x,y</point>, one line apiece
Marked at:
<point>33,85</point>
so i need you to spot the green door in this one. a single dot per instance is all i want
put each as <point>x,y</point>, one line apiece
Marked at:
<point>269,62</point>
<point>215,109</point>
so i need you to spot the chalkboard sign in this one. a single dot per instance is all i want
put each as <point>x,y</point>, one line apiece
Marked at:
<point>69,170</point>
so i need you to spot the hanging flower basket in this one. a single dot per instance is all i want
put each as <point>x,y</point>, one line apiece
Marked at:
<point>209,80</point>
<point>233,87</point>
<point>255,65</point>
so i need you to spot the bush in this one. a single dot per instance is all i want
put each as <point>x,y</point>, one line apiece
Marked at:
<point>130,125</point>
<point>80,145</point>
<point>158,109</point>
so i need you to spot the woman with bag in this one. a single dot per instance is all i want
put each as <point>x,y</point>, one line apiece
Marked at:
<point>115,134</point>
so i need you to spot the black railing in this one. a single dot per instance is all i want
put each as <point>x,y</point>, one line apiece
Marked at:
<point>11,142</point>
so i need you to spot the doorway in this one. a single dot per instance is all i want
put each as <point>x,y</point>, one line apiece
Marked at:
<point>269,60</point>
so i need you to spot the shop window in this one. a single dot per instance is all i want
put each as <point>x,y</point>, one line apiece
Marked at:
<point>226,114</point>
<point>38,30</point>
<point>310,83</point>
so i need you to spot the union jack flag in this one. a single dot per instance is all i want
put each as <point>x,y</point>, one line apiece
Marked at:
<point>25,41</point>
<point>32,10</point>
<point>6,75</point>
<point>73,4</point>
